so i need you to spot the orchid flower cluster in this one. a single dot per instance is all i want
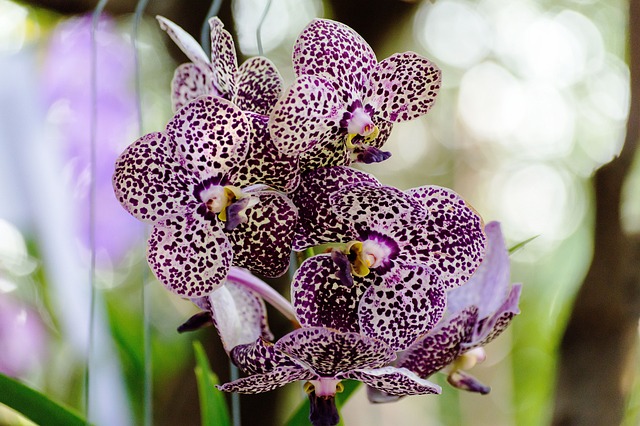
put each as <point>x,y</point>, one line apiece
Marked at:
<point>248,171</point>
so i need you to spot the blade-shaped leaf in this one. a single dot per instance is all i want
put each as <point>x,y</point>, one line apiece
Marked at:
<point>213,406</point>
<point>35,405</point>
<point>521,244</point>
<point>301,415</point>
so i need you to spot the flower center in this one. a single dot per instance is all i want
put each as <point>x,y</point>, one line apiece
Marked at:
<point>229,203</point>
<point>359,123</point>
<point>367,255</point>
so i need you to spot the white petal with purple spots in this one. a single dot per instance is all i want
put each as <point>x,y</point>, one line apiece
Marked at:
<point>394,381</point>
<point>190,82</point>
<point>258,85</point>
<point>274,379</point>
<point>224,61</point>
<point>189,255</point>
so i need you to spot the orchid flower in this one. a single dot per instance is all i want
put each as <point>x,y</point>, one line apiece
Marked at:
<point>254,86</point>
<point>343,104</point>
<point>476,314</point>
<point>403,251</point>
<point>206,215</point>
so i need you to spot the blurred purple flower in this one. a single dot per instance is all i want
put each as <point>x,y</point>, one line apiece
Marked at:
<point>66,83</point>
<point>23,337</point>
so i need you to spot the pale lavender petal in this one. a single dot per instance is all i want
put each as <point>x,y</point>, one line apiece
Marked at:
<point>259,357</point>
<point>453,241</point>
<point>189,255</point>
<point>465,381</point>
<point>382,209</point>
<point>330,49</point>
<point>258,85</point>
<point>269,381</point>
<point>263,243</point>
<point>309,113</point>
<point>149,183</point>
<point>441,346</point>
<point>489,286</point>
<point>393,381</point>
<point>489,328</point>
<point>329,352</point>
<point>401,305</point>
<point>211,136</point>
<point>264,164</point>
<point>239,315</point>
<point>224,61</point>
<point>403,87</point>
<point>317,223</point>
<point>190,82</point>
<point>321,300</point>
<point>184,40</point>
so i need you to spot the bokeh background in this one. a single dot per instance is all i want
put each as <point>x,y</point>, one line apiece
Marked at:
<point>535,99</point>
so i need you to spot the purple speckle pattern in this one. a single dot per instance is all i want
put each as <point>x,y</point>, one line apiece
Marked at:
<point>211,135</point>
<point>317,224</point>
<point>308,114</point>
<point>224,61</point>
<point>404,87</point>
<point>328,352</point>
<point>393,381</point>
<point>264,163</point>
<point>333,51</point>
<point>259,357</point>
<point>441,346</point>
<point>453,243</point>
<point>320,299</point>
<point>266,382</point>
<point>258,85</point>
<point>401,305</point>
<point>188,83</point>
<point>263,243</point>
<point>149,183</point>
<point>189,255</point>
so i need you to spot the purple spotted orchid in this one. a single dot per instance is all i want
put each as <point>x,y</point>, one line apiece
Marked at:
<point>476,314</point>
<point>343,104</point>
<point>319,355</point>
<point>190,182</point>
<point>254,86</point>
<point>400,252</point>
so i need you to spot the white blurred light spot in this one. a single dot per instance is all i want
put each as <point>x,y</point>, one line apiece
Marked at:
<point>609,89</point>
<point>491,101</point>
<point>13,26</point>
<point>13,251</point>
<point>284,18</point>
<point>454,31</point>
<point>547,126</point>
<point>410,141</point>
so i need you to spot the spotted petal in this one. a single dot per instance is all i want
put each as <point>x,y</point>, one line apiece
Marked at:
<point>404,86</point>
<point>259,357</point>
<point>274,379</point>
<point>401,305</point>
<point>189,255</point>
<point>317,223</point>
<point>309,113</point>
<point>489,286</point>
<point>239,315</point>
<point>441,346</point>
<point>491,327</point>
<point>321,300</point>
<point>185,42</point>
<point>224,61</point>
<point>149,183</point>
<point>189,82</point>
<point>211,136</point>
<point>384,209</point>
<point>263,243</point>
<point>264,164</point>
<point>259,85</point>
<point>454,241</point>
<point>332,50</point>
<point>330,352</point>
<point>393,381</point>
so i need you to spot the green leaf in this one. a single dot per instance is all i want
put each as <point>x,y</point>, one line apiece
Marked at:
<point>213,406</point>
<point>521,244</point>
<point>301,415</point>
<point>36,406</point>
